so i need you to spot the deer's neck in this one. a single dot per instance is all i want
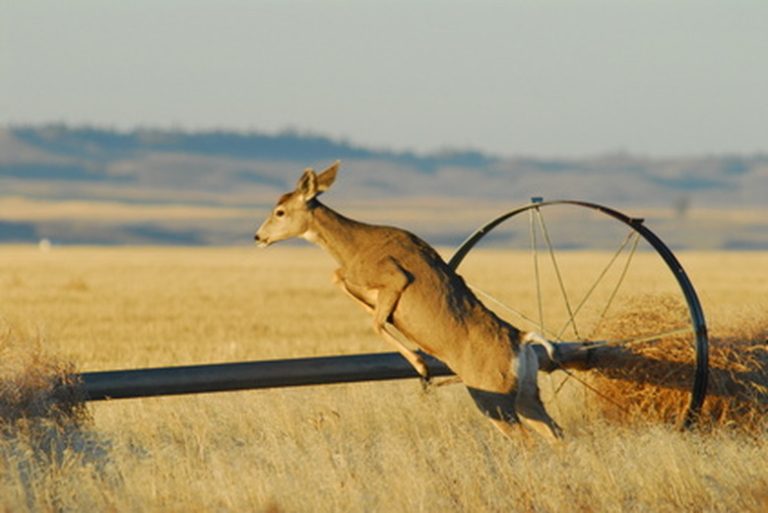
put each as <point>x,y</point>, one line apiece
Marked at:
<point>335,233</point>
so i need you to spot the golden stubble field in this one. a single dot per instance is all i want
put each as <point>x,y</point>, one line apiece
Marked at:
<point>384,446</point>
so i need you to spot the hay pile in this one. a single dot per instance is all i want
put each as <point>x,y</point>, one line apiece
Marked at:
<point>46,443</point>
<point>652,381</point>
<point>34,386</point>
<point>738,382</point>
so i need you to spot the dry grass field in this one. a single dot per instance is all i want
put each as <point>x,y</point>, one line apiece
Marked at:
<point>383,446</point>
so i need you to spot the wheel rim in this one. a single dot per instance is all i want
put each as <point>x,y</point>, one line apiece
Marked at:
<point>545,244</point>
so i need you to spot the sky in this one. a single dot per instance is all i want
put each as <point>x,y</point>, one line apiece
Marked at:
<point>565,78</point>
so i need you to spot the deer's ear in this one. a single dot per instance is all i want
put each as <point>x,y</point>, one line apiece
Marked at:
<point>327,177</point>
<point>307,185</point>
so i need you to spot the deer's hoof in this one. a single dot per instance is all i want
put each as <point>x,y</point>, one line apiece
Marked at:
<point>426,383</point>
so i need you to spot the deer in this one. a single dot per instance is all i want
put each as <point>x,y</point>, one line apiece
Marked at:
<point>413,295</point>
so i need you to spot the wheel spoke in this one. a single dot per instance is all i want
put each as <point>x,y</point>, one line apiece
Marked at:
<point>545,232</point>
<point>535,252</point>
<point>632,234</point>
<point>650,337</point>
<point>505,307</point>
<point>587,387</point>
<point>617,287</point>
<point>537,276</point>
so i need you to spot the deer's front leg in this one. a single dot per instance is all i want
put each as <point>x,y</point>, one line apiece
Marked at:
<point>380,299</point>
<point>338,279</point>
<point>413,358</point>
<point>391,282</point>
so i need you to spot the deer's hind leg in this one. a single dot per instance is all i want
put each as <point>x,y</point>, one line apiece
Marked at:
<point>528,403</point>
<point>510,404</point>
<point>499,408</point>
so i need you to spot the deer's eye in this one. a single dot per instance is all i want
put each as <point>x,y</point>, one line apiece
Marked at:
<point>279,212</point>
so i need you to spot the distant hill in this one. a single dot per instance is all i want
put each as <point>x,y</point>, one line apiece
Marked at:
<point>233,177</point>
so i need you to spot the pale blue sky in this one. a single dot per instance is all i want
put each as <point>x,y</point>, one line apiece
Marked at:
<point>547,78</point>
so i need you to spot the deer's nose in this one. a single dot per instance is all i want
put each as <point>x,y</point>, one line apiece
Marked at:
<point>256,237</point>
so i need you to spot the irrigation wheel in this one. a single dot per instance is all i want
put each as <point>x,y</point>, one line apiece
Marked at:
<point>581,272</point>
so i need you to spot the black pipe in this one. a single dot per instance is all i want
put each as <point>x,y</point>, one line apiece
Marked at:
<point>194,379</point>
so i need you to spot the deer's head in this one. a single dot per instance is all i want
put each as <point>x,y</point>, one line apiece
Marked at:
<point>291,216</point>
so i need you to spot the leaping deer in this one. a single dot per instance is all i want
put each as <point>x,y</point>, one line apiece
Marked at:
<point>405,284</point>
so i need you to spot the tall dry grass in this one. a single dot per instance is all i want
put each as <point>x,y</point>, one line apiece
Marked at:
<point>363,447</point>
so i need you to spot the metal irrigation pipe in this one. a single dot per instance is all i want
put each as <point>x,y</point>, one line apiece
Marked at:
<point>222,377</point>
